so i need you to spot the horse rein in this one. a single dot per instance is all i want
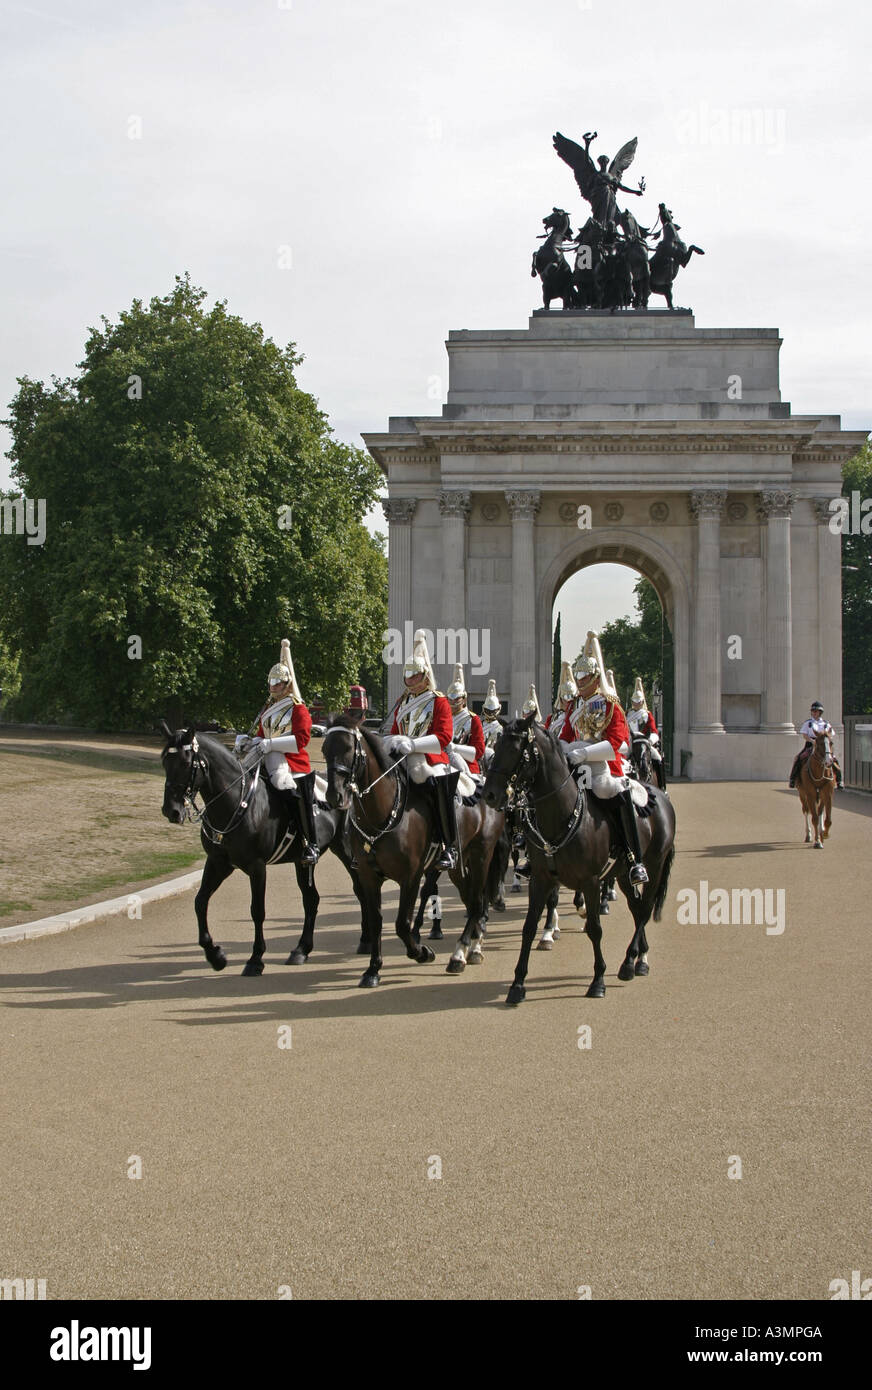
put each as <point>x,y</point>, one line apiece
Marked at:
<point>359,761</point>
<point>530,758</point>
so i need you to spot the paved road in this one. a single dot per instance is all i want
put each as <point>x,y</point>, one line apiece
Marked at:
<point>307,1167</point>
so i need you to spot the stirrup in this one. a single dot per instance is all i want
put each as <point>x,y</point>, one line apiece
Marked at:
<point>447,858</point>
<point>311,854</point>
<point>638,873</point>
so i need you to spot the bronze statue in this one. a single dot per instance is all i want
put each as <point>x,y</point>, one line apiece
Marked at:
<point>599,185</point>
<point>549,262</point>
<point>670,257</point>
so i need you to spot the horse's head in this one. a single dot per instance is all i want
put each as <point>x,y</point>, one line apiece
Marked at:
<point>558,221</point>
<point>184,767</point>
<point>344,750</point>
<point>512,760</point>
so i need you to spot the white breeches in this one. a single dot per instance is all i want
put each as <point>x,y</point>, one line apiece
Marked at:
<point>603,784</point>
<point>278,772</point>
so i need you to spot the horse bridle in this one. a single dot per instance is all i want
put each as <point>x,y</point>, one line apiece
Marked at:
<point>358,761</point>
<point>828,773</point>
<point>200,767</point>
<point>530,759</point>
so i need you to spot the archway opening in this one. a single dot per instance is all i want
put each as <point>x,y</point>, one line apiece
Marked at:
<point>629,611</point>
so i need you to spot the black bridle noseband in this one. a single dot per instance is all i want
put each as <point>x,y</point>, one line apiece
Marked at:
<point>358,765</point>
<point>522,779</point>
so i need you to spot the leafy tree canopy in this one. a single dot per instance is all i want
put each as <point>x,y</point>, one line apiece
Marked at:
<point>857,592</point>
<point>195,499</point>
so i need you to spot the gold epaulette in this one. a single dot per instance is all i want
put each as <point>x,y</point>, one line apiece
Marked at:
<point>439,692</point>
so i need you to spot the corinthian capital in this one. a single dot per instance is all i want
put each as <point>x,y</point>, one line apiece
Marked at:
<point>399,510</point>
<point>822,509</point>
<point>455,503</point>
<point>524,505</point>
<point>707,503</point>
<point>774,502</point>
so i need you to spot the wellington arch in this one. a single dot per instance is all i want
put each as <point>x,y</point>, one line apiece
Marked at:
<point>695,472</point>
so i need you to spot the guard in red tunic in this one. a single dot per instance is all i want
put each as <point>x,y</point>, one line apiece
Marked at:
<point>468,736</point>
<point>641,724</point>
<point>567,694</point>
<point>422,729</point>
<point>597,734</point>
<point>281,732</point>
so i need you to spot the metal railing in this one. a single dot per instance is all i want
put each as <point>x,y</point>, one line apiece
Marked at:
<point>857,763</point>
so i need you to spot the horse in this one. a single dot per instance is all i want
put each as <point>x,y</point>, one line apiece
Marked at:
<point>570,840</point>
<point>815,783</point>
<point>636,254</point>
<point>394,833</point>
<point>430,899</point>
<point>641,759</point>
<point>670,257</point>
<point>587,291</point>
<point>243,825</point>
<point>549,262</point>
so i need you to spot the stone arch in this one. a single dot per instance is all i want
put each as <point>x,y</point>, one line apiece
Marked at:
<point>638,551</point>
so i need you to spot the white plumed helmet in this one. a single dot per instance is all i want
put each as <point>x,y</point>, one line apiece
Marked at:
<point>531,705</point>
<point>457,688</point>
<point>492,703</point>
<point>567,689</point>
<point>419,662</point>
<point>283,671</point>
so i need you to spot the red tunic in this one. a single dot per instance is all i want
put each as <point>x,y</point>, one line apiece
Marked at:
<point>301,728</point>
<point>476,741</point>
<point>615,733</point>
<point>441,724</point>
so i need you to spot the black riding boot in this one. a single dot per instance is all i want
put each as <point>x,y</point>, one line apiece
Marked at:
<point>638,872</point>
<point>444,788</point>
<point>794,771</point>
<point>306,812</point>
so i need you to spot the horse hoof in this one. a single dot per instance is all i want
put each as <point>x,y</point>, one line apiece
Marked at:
<point>475,958</point>
<point>436,933</point>
<point>253,968</point>
<point>612,895</point>
<point>545,945</point>
<point>555,932</point>
<point>597,990</point>
<point>217,958</point>
<point>368,981</point>
<point>642,967</point>
<point>626,971</point>
<point>499,905</point>
<point>515,888</point>
<point>426,956</point>
<point>516,995</point>
<point>455,967</point>
<point>604,908</point>
<point>297,958</point>
<point>363,948</point>
<point>818,845</point>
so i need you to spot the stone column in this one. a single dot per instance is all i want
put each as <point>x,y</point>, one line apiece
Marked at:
<point>829,615</point>
<point>523,506</point>
<point>399,512</point>
<point>707,506</point>
<point>454,508</point>
<point>774,507</point>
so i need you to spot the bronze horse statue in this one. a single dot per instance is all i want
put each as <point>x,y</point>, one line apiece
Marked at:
<point>549,261</point>
<point>670,257</point>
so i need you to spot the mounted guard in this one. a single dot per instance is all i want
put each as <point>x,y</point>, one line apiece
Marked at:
<point>641,724</point>
<point>567,694</point>
<point>531,704</point>
<point>468,742</point>
<point>422,730</point>
<point>597,734</point>
<point>281,732</point>
<point>491,710</point>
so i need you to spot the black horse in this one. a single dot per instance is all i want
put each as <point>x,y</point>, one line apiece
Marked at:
<point>572,840</point>
<point>394,834</point>
<point>244,825</point>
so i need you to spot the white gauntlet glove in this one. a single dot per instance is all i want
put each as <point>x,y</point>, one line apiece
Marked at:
<point>465,750</point>
<point>400,745</point>
<point>577,754</point>
<point>285,743</point>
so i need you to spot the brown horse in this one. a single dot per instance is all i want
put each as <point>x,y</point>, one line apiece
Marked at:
<point>815,784</point>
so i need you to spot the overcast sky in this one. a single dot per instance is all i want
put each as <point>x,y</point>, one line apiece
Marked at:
<point>399,156</point>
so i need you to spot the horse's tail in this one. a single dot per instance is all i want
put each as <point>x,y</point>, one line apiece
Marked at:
<point>662,886</point>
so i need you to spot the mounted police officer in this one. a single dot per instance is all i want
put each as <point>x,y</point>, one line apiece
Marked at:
<point>814,725</point>
<point>281,732</point>
<point>597,734</point>
<point>422,729</point>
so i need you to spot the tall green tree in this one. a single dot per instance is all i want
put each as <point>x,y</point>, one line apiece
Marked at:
<point>857,592</point>
<point>556,661</point>
<point>642,646</point>
<point>197,501</point>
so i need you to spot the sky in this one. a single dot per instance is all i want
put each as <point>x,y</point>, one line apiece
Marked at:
<point>360,178</point>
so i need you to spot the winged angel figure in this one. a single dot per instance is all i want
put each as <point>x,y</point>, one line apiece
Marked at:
<point>599,183</point>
